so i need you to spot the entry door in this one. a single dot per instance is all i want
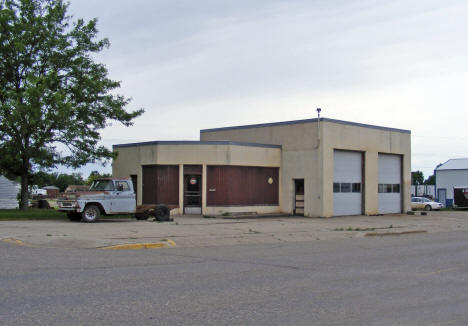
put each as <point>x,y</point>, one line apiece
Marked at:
<point>192,194</point>
<point>442,196</point>
<point>299,197</point>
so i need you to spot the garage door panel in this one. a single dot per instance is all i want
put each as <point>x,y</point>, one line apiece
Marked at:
<point>347,204</point>
<point>347,179</point>
<point>389,184</point>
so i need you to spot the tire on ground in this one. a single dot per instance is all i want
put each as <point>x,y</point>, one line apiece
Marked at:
<point>162,213</point>
<point>90,214</point>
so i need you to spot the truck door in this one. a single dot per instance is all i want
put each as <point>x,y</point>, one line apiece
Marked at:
<point>123,200</point>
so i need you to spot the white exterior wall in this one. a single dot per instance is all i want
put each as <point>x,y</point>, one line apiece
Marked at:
<point>423,190</point>
<point>450,178</point>
<point>8,192</point>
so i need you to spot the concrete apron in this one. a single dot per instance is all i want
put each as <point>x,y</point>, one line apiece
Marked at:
<point>197,231</point>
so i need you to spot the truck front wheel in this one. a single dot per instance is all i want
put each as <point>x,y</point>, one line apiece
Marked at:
<point>90,214</point>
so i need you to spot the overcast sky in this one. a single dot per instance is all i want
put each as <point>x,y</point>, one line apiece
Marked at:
<point>214,63</point>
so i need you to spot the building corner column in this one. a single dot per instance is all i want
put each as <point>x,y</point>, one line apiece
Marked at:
<point>204,189</point>
<point>181,189</point>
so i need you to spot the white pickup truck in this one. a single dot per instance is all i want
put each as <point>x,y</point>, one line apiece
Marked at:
<point>108,196</point>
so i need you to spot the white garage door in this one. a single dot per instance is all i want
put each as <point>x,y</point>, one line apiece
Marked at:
<point>389,184</point>
<point>347,183</point>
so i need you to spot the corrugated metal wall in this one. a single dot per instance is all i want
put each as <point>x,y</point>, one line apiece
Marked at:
<point>8,193</point>
<point>242,185</point>
<point>161,184</point>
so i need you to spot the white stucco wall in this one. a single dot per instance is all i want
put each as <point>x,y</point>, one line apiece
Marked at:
<point>307,153</point>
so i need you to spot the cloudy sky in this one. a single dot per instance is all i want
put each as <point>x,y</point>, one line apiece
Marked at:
<point>214,63</point>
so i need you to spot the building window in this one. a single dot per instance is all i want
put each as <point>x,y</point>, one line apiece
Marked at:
<point>336,187</point>
<point>356,187</point>
<point>345,187</point>
<point>389,188</point>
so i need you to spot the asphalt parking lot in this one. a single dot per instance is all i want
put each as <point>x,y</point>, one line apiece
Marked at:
<point>197,231</point>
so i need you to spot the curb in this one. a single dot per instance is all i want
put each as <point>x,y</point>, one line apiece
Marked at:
<point>137,246</point>
<point>373,234</point>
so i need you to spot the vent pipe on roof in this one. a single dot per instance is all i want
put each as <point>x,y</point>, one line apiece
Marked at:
<point>318,127</point>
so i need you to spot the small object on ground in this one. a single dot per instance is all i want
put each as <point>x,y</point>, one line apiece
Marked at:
<point>42,203</point>
<point>162,213</point>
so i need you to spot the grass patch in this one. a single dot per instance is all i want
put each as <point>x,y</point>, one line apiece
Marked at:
<point>44,214</point>
<point>31,214</point>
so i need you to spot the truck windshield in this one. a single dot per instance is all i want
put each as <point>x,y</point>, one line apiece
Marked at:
<point>100,185</point>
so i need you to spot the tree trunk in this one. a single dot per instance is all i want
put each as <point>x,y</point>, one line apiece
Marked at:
<point>24,191</point>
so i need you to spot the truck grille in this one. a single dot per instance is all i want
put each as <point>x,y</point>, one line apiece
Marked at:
<point>67,204</point>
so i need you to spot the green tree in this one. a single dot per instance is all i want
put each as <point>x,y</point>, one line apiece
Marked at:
<point>51,90</point>
<point>430,180</point>
<point>95,175</point>
<point>62,180</point>
<point>417,178</point>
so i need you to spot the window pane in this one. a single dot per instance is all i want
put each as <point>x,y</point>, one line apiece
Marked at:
<point>380,188</point>
<point>336,187</point>
<point>396,188</point>
<point>345,187</point>
<point>356,187</point>
<point>388,188</point>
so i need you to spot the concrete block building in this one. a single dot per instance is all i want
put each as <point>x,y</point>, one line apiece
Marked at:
<point>314,167</point>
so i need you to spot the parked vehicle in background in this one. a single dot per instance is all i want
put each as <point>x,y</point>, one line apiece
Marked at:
<point>108,196</point>
<point>460,197</point>
<point>425,204</point>
<point>77,188</point>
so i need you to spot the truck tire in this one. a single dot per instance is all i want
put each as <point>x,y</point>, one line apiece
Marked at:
<point>74,217</point>
<point>162,213</point>
<point>90,214</point>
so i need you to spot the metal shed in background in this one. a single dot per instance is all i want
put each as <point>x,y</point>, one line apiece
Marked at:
<point>8,193</point>
<point>448,175</point>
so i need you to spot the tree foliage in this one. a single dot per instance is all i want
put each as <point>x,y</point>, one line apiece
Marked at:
<point>417,178</point>
<point>51,90</point>
<point>60,180</point>
<point>430,180</point>
<point>95,175</point>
